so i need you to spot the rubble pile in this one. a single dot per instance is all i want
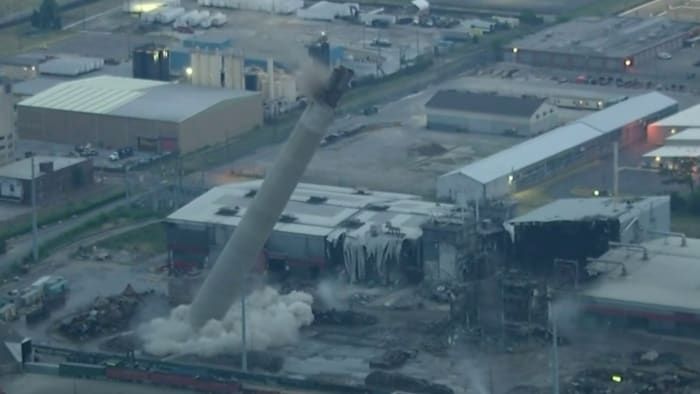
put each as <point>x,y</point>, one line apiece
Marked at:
<point>391,359</point>
<point>105,315</point>
<point>395,381</point>
<point>92,253</point>
<point>344,318</point>
<point>651,373</point>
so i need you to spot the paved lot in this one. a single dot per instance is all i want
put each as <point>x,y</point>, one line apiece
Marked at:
<point>43,384</point>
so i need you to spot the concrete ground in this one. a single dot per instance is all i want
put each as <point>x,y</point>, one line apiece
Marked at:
<point>43,384</point>
<point>255,34</point>
<point>89,279</point>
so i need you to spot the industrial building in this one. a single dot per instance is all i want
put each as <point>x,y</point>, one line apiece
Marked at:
<point>374,236</point>
<point>114,112</point>
<point>580,228</point>
<point>7,125</point>
<point>489,113</point>
<point>529,162</point>
<point>612,44</point>
<point>680,145</point>
<point>686,119</point>
<point>650,286</point>
<point>54,176</point>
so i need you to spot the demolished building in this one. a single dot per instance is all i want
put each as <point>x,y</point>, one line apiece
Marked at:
<point>373,236</point>
<point>580,228</point>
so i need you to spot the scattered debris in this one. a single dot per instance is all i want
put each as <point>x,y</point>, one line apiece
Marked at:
<point>431,149</point>
<point>106,315</point>
<point>344,318</point>
<point>397,381</point>
<point>391,359</point>
<point>92,253</point>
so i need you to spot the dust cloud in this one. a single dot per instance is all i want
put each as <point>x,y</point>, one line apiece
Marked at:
<point>328,292</point>
<point>272,320</point>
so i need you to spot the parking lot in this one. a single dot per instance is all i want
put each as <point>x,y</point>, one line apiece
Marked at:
<point>100,157</point>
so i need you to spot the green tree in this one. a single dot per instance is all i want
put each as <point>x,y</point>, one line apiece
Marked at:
<point>681,172</point>
<point>47,17</point>
<point>529,17</point>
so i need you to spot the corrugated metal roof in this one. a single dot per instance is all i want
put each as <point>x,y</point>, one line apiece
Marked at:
<point>621,114</point>
<point>92,95</point>
<point>320,218</point>
<point>130,97</point>
<point>580,208</point>
<point>689,117</point>
<point>484,103</point>
<point>22,169</point>
<point>685,135</point>
<point>671,151</point>
<point>528,153</point>
<point>667,280</point>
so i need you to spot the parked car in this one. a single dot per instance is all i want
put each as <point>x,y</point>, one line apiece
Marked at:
<point>121,153</point>
<point>664,56</point>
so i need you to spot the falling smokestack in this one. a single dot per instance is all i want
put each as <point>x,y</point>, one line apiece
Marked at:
<point>228,275</point>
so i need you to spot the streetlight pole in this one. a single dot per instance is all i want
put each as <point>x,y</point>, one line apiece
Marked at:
<point>35,233</point>
<point>244,349</point>
<point>555,348</point>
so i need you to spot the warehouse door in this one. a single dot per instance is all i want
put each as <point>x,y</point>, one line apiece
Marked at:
<point>168,144</point>
<point>632,133</point>
<point>147,144</point>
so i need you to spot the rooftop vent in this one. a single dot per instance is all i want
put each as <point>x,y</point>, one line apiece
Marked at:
<point>316,199</point>
<point>287,218</point>
<point>251,193</point>
<point>377,207</point>
<point>352,223</point>
<point>362,191</point>
<point>228,211</point>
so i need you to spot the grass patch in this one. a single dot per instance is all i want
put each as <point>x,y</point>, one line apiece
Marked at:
<point>49,215</point>
<point>604,8</point>
<point>118,217</point>
<point>149,240</point>
<point>23,37</point>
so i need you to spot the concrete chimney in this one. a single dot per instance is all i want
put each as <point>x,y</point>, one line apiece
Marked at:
<point>225,282</point>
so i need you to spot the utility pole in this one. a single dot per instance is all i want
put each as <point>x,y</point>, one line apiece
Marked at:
<point>615,170</point>
<point>244,349</point>
<point>555,348</point>
<point>35,232</point>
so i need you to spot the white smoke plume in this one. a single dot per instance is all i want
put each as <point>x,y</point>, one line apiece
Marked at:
<point>272,320</point>
<point>329,293</point>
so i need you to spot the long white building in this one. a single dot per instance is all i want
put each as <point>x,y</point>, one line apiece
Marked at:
<point>536,159</point>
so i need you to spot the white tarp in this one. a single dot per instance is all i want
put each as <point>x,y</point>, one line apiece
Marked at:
<point>422,5</point>
<point>273,6</point>
<point>328,11</point>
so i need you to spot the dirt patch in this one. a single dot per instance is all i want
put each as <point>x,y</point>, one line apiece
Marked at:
<point>431,149</point>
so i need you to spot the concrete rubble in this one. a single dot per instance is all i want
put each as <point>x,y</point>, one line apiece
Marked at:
<point>105,315</point>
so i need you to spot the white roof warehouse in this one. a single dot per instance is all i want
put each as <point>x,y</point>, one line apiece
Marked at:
<point>527,163</point>
<point>114,112</point>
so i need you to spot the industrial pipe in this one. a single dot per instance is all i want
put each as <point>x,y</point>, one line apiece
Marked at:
<point>227,277</point>
<point>682,236</point>
<point>645,251</point>
<point>623,268</point>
